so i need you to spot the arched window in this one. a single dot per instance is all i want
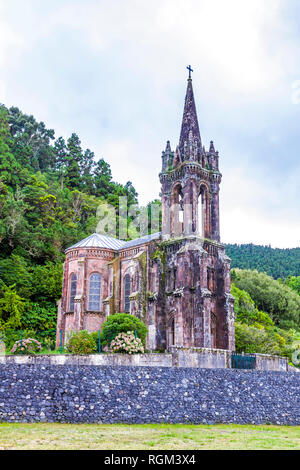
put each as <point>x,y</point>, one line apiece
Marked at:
<point>177,211</point>
<point>171,332</point>
<point>95,292</point>
<point>204,213</point>
<point>73,289</point>
<point>127,289</point>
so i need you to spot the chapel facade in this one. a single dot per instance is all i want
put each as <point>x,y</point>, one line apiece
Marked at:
<point>177,281</point>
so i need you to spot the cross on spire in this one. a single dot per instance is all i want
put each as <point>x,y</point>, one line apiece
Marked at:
<point>189,120</point>
<point>190,72</point>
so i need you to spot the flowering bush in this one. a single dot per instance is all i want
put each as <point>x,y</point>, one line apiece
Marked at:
<point>81,342</point>
<point>121,323</point>
<point>127,344</point>
<point>26,346</point>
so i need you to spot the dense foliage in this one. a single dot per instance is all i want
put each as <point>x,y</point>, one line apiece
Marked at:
<point>10,337</point>
<point>294,283</point>
<point>50,193</point>
<point>255,330</point>
<point>81,342</point>
<point>26,346</point>
<point>273,297</point>
<point>278,263</point>
<point>257,339</point>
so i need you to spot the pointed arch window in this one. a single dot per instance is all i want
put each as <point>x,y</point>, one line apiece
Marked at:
<point>73,290</point>
<point>95,292</point>
<point>127,292</point>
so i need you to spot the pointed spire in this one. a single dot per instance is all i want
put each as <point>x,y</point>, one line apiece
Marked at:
<point>168,147</point>
<point>212,147</point>
<point>190,126</point>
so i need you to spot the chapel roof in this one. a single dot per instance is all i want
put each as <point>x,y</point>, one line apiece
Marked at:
<point>97,240</point>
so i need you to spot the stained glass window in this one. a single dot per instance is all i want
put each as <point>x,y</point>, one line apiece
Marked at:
<point>73,289</point>
<point>95,293</point>
<point>127,293</point>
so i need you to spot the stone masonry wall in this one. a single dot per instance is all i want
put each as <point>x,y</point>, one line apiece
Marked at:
<point>178,357</point>
<point>97,394</point>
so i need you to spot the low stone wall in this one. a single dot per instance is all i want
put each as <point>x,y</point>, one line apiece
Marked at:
<point>265,362</point>
<point>201,357</point>
<point>178,357</point>
<point>101,394</point>
<point>111,360</point>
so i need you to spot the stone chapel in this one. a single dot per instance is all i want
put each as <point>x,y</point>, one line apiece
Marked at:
<point>177,281</point>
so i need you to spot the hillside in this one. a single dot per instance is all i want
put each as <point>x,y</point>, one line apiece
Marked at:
<point>50,192</point>
<point>278,263</point>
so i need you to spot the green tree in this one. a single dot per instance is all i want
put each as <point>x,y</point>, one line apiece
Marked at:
<point>74,160</point>
<point>60,152</point>
<point>31,141</point>
<point>87,166</point>
<point>245,309</point>
<point>47,281</point>
<point>40,317</point>
<point>102,179</point>
<point>278,263</point>
<point>14,270</point>
<point>11,308</point>
<point>9,168</point>
<point>280,302</point>
<point>252,339</point>
<point>294,283</point>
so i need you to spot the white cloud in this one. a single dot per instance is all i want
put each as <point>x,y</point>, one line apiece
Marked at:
<point>253,226</point>
<point>2,92</point>
<point>9,41</point>
<point>125,167</point>
<point>244,54</point>
<point>232,42</point>
<point>256,213</point>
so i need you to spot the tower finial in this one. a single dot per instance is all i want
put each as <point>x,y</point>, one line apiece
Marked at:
<point>190,71</point>
<point>190,127</point>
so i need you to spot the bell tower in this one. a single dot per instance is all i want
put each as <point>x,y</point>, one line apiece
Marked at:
<point>195,299</point>
<point>190,180</point>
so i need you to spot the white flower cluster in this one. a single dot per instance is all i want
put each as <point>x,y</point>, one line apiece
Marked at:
<point>29,346</point>
<point>127,343</point>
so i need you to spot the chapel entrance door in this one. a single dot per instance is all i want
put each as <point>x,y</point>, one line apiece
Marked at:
<point>213,329</point>
<point>171,333</point>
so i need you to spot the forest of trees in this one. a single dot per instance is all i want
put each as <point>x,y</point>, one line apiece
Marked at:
<point>278,263</point>
<point>267,313</point>
<point>50,190</point>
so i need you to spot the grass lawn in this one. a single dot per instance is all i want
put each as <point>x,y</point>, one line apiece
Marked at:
<point>147,437</point>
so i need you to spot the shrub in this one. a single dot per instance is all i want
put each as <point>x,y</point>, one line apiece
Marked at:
<point>264,340</point>
<point>26,346</point>
<point>49,344</point>
<point>127,344</point>
<point>122,323</point>
<point>10,337</point>
<point>280,302</point>
<point>2,345</point>
<point>81,342</point>
<point>95,336</point>
<point>245,309</point>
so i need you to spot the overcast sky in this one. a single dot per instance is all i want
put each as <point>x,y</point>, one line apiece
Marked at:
<point>114,71</point>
